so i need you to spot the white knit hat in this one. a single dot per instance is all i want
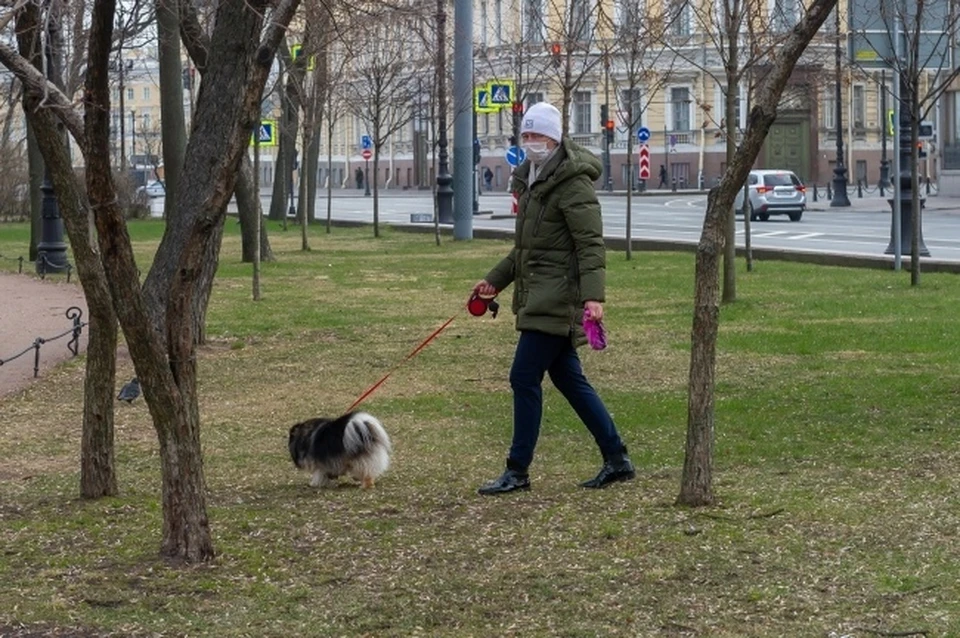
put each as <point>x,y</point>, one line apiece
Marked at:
<point>542,118</point>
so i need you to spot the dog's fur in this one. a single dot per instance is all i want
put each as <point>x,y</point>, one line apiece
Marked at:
<point>354,444</point>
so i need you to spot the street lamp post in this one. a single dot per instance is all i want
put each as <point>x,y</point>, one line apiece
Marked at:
<point>608,178</point>
<point>133,139</point>
<point>884,164</point>
<point>51,249</point>
<point>444,178</point>
<point>839,170</point>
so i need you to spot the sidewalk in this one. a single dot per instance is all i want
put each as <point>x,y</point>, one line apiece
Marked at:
<point>31,308</point>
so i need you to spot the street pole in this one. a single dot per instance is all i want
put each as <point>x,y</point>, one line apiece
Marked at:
<point>608,180</point>
<point>444,179</point>
<point>884,164</point>
<point>366,178</point>
<point>463,120</point>
<point>666,148</point>
<point>840,197</point>
<point>133,139</point>
<point>51,250</point>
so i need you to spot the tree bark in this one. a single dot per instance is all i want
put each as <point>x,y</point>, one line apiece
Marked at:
<point>250,212</point>
<point>173,125</point>
<point>97,458</point>
<point>697,480</point>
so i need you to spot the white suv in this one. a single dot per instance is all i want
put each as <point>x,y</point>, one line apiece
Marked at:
<point>773,193</point>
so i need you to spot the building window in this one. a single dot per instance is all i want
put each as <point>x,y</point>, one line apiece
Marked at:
<point>146,94</point>
<point>129,95</point>
<point>532,98</point>
<point>145,125</point>
<point>631,103</point>
<point>859,106</point>
<point>498,22</point>
<point>679,17</point>
<point>680,108</point>
<point>582,108</point>
<point>533,20</point>
<point>629,15</point>
<point>580,23</point>
<point>829,109</point>
<point>784,14</point>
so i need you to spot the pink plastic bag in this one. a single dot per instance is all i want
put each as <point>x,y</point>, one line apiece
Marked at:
<point>596,335</point>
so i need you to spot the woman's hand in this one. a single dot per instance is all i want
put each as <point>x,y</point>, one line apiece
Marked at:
<point>484,289</point>
<point>593,310</point>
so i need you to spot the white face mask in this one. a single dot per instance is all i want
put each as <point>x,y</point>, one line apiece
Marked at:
<point>536,151</point>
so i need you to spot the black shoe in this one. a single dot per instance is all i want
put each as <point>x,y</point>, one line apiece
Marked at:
<point>509,481</point>
<point>616,467</point>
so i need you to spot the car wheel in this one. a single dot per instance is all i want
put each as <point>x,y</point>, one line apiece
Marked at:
<point>763,216</point>
<point>795,217</point>
<point>748,211</point>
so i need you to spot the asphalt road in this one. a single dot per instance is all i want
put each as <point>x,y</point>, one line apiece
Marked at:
<point>864,229</point>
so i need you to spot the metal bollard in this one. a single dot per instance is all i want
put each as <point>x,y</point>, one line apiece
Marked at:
<point>814,192</point>
<point>928,184</point>
<point>859,189</point>
<point>673,185</point>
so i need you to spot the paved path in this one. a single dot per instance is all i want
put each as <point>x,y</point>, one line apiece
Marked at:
<point>32,308</point>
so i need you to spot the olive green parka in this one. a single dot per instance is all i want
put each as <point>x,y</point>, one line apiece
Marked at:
<point>558,260</point>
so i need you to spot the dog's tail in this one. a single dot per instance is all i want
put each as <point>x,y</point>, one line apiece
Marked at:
<point>363,434</point>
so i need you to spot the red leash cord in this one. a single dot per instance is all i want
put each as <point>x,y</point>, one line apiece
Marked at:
<point>407,358</point>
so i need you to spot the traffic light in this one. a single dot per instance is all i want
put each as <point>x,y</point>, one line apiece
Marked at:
<point>606,123</point>
<point>555,51</point>
<point>517,108</point>
<point>476,151</point>
<point>921,153</point>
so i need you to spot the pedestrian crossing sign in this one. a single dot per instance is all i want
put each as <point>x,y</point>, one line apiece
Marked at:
<point>481,100</point>
<point>501,92</point>
<point>295,52</point>
<point>268,133</point>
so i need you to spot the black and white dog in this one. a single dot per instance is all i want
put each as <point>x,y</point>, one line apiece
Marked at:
<point>354,444</point>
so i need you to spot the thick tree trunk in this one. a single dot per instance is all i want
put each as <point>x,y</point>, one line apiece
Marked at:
<point>97,467</point>
<point>174,128</point>
<point>696,482</point>
<point>35,168</point>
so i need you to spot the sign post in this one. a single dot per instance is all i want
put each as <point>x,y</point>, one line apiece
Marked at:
<point>644,164</point>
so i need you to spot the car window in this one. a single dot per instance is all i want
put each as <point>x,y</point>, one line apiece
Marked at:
<point>779,179</point>
<point>753,180</point>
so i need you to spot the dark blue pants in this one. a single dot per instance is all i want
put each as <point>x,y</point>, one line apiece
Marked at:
<point>539,353</point>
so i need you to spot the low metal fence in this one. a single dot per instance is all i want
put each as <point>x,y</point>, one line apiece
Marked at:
<point>43,266</point>
<point>74,314</point>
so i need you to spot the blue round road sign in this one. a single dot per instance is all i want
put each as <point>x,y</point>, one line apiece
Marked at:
<point>643,134</point>
<point>515,156</point>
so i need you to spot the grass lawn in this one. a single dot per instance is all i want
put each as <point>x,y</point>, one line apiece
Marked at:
<point>836,462</point>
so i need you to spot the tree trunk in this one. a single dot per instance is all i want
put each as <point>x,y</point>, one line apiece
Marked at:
<point>173,126</point>
<point>696,482</point>
<point>733,21</point>
<point>696,488</point>
<point>35,168</point>
<point>97,466</point>
<point>250,212</point>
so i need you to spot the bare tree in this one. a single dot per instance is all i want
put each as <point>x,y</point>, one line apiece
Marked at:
<point>383,88</point>
<point>921,59</point>
<point>638,70</point>
<point>696,487</point>
<point>242,47</point>
<point>39,38</point>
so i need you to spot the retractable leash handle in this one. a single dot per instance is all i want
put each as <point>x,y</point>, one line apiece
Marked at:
<point>478,306</point>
